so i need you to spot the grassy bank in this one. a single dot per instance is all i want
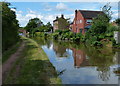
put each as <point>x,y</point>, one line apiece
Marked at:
<point>10,51</point>
<point>33,67</point>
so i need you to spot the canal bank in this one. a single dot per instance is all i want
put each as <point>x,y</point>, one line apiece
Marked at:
<point>81,64</point>
<point>32,67</point>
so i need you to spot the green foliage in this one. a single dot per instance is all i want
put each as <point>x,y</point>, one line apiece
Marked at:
<point>9,27</point>
<point>55,35</point>
<point>59,31</point>
<point>36,25</point>
<point>67,34</point>
<point>96,43</point>
<point>32,24</point>
<point>101,29</point>
<point>42,28</point>
<point>111,28</point>
<point>49,27</point>
<point>99,24</point>
<point>117,21</point>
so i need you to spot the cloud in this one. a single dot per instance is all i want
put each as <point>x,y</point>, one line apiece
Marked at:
<point>47,7</point>
<point>19,11</point>
<point>115,16</point>
<point>13,9</point>
<point>61,7</point>
<point>30,11</point>
<point>71,16</point>
<point>23,19</point>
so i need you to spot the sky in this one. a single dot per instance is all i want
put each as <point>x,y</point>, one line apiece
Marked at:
<point>47,11</point>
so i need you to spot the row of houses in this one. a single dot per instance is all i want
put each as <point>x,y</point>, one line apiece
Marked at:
<point>81,22</point>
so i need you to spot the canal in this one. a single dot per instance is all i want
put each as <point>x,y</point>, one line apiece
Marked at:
<point>81,64</point>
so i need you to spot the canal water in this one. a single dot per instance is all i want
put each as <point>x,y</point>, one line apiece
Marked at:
<point>81,64</point>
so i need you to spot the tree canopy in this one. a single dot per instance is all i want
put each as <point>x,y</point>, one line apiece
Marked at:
<point>100,23</point>
<point>33,23</point>
<point>9,27</point>
<point>117,21</point>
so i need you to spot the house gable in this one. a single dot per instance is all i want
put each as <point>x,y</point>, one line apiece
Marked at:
<point>83,18</point>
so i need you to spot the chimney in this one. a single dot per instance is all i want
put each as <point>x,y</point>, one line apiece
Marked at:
<point>62,16</point>
<point>57,17</point>
<point>75,16</point>
<point>76,13</point>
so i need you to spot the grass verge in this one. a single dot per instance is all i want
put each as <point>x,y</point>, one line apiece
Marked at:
<point>10,51</point>
<point>33,67</point>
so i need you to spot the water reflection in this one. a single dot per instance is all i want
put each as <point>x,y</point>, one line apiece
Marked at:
<point>89,61</point>
<point>79,58</point>
<point>59,50</point>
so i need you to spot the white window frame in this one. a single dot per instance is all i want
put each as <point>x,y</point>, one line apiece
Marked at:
<point>80,21</point>
<point>88,21</point>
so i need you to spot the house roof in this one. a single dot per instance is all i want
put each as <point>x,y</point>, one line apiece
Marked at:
<point>62,16</point>
<point>55,20</point>
<point>90,14</point>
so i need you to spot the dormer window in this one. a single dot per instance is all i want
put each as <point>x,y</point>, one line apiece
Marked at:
<point>89,21</point>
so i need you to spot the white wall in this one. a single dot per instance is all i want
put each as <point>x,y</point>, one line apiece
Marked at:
<point>117,36</point>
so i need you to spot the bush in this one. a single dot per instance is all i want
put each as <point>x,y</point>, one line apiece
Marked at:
<point>96,43</point>
<point>111,28</point>
<point>59,31</point>
<point>55,35</point>
<point>113,41</point>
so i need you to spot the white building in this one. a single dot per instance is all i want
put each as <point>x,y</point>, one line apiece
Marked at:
<point>117,36</point>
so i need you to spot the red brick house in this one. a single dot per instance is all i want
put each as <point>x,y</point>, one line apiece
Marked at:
<point>83,19</point>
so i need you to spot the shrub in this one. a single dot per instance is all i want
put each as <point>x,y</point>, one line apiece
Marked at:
<point>59,31</point>
<point>96,43</point>
<point>55,35</point>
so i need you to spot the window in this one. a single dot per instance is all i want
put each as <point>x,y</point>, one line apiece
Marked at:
<point>85,30</point>
<point>80,30</point>
<point>76,29</point>
<point>89,21</point>
<point>80,21</point>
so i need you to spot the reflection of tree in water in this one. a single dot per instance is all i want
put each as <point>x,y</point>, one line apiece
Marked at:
<point>59,49</point>
<point>48,43</point>
<point>43,41</point>
<point>102,59</point>
<point>103,73</point>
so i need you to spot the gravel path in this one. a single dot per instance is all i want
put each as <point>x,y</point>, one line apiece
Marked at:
<point>6,67</point>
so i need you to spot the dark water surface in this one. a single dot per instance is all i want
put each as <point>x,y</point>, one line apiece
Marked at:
<point>80,64</point>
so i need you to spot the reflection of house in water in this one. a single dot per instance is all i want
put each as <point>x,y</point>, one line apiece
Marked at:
<point>117,70</point>
<point>60,50</point>
<point>79,58</point>
<point>117,58</point>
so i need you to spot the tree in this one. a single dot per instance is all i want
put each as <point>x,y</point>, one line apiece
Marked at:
<point>100,23</point>
<point>49,27</point>
<point>99,26</point>
<point>107,10</point>
<point>33,23</point>
<point>117,21</point>
<point>9,27</point>
<point>43,28</point>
